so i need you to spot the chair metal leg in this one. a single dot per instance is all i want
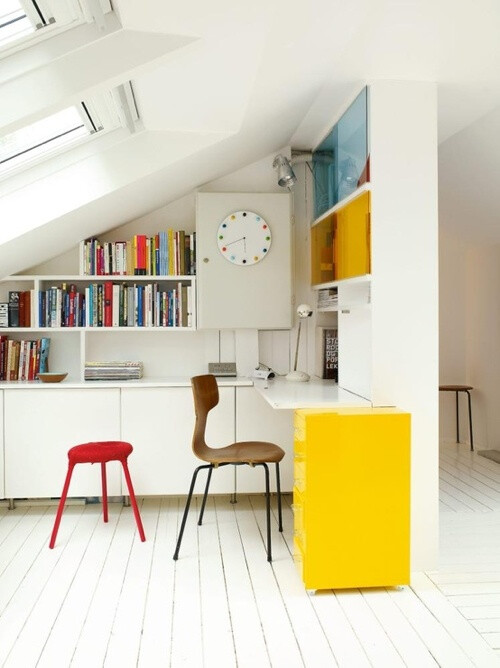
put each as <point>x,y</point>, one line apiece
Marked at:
<point>268,511</point>
<point>60,507</point>
<point>470,422</point>
<point>133,502</point>
<point>278,492</point>
<point>200,520</point>
<point>458,421</point>
<point>186,509</point>
<point>104,492</point>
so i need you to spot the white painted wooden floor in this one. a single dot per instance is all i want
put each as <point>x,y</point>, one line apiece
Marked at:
<point>103,598</point>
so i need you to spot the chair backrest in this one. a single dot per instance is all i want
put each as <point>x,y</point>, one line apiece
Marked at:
<point>206,397</point>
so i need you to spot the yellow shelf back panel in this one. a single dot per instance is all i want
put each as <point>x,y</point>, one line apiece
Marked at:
<point>352,238</point>
<point>322,267</point>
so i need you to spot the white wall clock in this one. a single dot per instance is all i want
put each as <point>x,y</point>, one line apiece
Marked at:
<point>244,238</point>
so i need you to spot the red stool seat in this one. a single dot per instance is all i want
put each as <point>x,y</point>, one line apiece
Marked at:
<point>99,452</point>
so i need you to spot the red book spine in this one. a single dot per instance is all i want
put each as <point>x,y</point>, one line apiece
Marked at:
<point>108,304</point>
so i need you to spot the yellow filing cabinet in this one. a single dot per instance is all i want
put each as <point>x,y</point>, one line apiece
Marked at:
<point>351,497</point>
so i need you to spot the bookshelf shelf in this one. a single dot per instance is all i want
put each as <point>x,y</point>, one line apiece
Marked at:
<point>167,300</point>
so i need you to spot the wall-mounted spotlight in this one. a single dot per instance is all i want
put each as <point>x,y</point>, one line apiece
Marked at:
<point>286,176</point>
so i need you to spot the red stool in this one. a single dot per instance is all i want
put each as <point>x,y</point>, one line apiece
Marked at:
<point>92,453</point>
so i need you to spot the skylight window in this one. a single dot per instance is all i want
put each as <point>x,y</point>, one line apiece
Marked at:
<point>100,113</point>
<point>25,20</point>
<point>42,137</point>
<point>19,19</point>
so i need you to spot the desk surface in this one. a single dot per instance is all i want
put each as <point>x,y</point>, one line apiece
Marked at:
<point>316,393</point>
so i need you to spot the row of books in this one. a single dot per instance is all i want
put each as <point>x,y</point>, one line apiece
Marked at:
<point>111,304</point>
<point>19,310</point>
<point>166,253</point>
<point>23,360</point>
<point>113,370</point>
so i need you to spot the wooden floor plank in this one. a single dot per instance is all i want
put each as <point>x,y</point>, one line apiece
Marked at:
<point>281,643</point>
<point>217,631</point>
<point>311,638</point>
<point>95,633</point>
<point>124,641</point>
<point>61,643</point>
<point>57,568</point>
<point>156,639</point>
<point>249,641</point>
<point>404,637</point>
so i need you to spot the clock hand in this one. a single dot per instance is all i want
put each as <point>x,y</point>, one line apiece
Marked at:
<point>236,241</point>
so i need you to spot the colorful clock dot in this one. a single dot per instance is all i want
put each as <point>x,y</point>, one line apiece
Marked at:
<point>224,225</point>
<point>233,257</point>
<point>264,250</point>
<point>233,217</point>
<point>264,227</point>
<point>244,213</point>
<point>257,218</point>
<point>224,248</point>
<point>221,236</point>
<point>256,258</point>
<point>267,238</point>
<point>244,261</point>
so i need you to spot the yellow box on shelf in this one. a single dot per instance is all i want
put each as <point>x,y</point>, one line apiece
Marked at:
<point>352,501</point>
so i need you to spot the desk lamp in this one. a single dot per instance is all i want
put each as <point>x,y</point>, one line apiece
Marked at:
<point>303,311</point>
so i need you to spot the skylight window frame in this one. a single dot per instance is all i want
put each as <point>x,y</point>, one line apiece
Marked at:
<point>100,113</point>
<point>59,16</point>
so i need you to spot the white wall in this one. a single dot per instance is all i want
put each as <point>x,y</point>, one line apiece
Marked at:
<point>404,232</point>
<point>482,345</point>
<point>453,317</point>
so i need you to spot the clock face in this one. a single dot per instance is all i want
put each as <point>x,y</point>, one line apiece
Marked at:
<point>244,238</point>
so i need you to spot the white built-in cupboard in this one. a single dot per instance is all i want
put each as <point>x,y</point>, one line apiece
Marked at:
<point>42,423</point>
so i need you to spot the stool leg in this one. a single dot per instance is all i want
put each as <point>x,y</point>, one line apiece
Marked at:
<point>104,492</point>
<point>278,490</point>
<point>458,421</point>
<point>470,422</point>
<point>133,502</point>
<point>60,508</point>
<point>268,511</point>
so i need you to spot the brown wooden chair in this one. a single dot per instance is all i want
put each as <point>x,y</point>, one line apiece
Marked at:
<point>253,453</point>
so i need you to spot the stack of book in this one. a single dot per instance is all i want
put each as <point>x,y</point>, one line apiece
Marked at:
<point>113,370</point>
<point>170,253</point>
<point>327,298</point>
<point>23,360</point>
<point>327,353</point>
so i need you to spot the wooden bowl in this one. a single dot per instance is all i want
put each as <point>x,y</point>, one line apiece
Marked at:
<point>52,377</point>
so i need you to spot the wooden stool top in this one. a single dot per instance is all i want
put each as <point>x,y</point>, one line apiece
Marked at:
<point>455,388</point>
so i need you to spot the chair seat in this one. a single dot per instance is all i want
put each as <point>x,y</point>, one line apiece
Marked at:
<point>99,452</point>
<point>245,452</point>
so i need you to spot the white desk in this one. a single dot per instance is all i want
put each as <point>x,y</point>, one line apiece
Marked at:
<point>316,393</point>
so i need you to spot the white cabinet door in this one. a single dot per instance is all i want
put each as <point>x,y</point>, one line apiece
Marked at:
<point>42,425</point>
<point>159,423</point>
<point>256,420</point>
<point>257,296</point>
<point>2,486</point>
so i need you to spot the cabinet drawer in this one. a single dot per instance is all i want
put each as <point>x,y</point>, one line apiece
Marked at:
<point>299,473</point>
<point>298,511</point>
<point>299,432</point>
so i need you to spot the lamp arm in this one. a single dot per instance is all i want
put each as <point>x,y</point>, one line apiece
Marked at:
<point>297,346</point>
